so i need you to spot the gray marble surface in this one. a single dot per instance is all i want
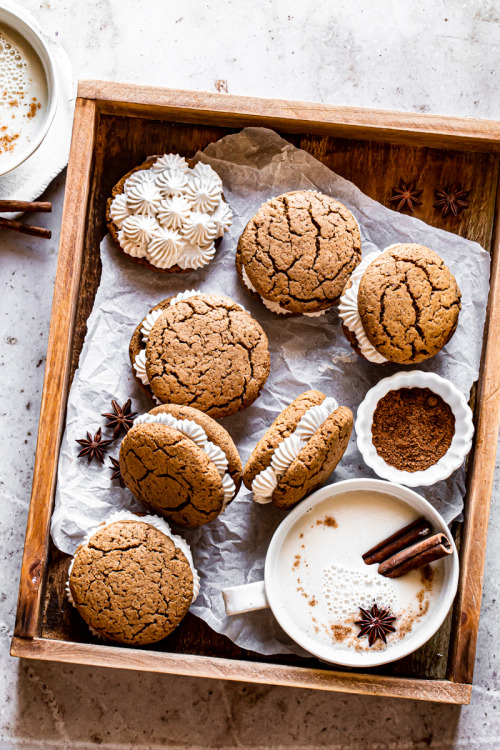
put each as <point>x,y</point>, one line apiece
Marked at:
<point>439,57</point>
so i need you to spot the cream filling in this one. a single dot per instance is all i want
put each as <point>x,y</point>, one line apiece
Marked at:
<point>197,434</point>
<point>287,451</point>
<point>274,306</point>
<point>158,523</point>
<point>349,310</point>
<point>177,198</point>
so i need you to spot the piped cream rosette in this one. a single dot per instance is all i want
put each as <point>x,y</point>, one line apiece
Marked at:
<point>289,448</point>
<point>171,214</point>
<point>158,523</point>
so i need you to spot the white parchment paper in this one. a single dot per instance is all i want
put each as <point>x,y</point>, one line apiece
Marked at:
<point>254,165</point>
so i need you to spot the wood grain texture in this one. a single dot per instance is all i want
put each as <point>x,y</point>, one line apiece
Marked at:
<point>480,485</point>
<point>57,371</point>
<point>226,669</point>
<point>293,117</point>
<point>107,142</point>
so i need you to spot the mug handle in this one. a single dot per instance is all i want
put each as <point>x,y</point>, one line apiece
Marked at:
<point>245,598</point>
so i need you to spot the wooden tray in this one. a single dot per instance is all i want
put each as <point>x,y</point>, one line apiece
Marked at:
<point>115,127</point>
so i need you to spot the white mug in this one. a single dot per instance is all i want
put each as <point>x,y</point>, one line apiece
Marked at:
<point>263,594</point>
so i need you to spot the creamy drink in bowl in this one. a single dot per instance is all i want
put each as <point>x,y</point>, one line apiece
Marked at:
<point>323,593</point>
<point>27,87</point>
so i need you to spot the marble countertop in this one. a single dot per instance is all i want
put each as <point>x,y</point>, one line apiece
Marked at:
<point>438,57</point>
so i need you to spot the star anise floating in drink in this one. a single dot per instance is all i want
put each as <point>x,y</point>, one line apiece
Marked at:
<point>406,196</point>
<point>116,475</point>
<point>121,418</point>
<point>376,623</point>
<point>94,447</point>
<point>452,200</point>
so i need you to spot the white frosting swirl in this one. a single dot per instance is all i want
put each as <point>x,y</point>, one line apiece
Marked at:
<point>195,257</point>
<point>171,182</point>
<point>274,306</point>
<point>118,210</point>
<point>199,228</point>
<point>137,178</point>
<point>197,434</point>
<point>184,295</point>
<point>187,208</point>
<point>223,218</point>
<point>349,311</point>
<point>165,247</point>
<point>140,367</point>
<point>144,199</point>
<point>173,212</point>
<point>289,448</point>
<point>130,247</point>
<point>149,321</point>
<point>205,170</point>
<point>139,229</point>
<point>170,161</point>
<point>203,194</point>
<point>264,485</point>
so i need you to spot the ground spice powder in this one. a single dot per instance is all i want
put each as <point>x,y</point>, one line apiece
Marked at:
<point>412,428</point>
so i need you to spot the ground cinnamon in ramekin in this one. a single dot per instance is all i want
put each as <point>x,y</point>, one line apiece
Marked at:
<point>412,428</point>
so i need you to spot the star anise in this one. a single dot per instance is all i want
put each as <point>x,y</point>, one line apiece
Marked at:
<point>115,465</point>
<point>121,418</point>
<point>451,200</point>
<point>94,447</point>
<point>375,624</point>
<point>406,196</point>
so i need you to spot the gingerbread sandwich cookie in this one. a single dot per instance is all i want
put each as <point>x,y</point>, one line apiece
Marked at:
<point>169,214</point>
<point>181,464</point>
<point>132,580</point>
<point>201,350</point>
<point>400,305</point>
<point>298,251</point>
<point>299,451</point>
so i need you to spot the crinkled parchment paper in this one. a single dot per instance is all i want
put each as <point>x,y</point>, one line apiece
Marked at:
<point>254,165</point>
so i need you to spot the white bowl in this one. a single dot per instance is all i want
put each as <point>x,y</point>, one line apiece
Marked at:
<point>22,27</point>
<point>267,593</point>
<point>460,444</point>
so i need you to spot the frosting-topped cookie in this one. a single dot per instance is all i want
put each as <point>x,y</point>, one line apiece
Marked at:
<point>169,214</point>
<point>400,305</point>
<point>298,251</point>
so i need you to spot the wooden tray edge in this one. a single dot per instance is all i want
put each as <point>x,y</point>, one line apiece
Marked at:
<point>440,691</point>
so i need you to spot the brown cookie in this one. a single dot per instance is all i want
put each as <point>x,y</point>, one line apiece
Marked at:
<point>409,303</point>
<point>118,189</point>
<point>310,462</point>
<point>167,468</point>
<point>130,583</point>
<point>204,351</point>
<point>299,250</point>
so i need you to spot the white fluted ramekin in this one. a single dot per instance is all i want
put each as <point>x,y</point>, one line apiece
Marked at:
<point>460,444</point>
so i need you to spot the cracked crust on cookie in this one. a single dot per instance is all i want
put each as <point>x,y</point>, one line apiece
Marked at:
<point>409,303</point>
<point>283,426</point>
<point>299,250</point>
<point>170,475</point>
<point>208,353</point>
<point>131,584</point>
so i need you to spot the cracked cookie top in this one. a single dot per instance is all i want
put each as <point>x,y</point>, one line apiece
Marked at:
<point>409,303</point>
<point>130,583</point>
<point>299,250</point>
<point>299,451</point>
<point>203,351</point>
<point>181,464</point>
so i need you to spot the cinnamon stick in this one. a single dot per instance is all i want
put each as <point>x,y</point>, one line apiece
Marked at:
<point>427,551</point>
<point>17,226</point>
<point>30,206</point>
<point>398,541</point>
